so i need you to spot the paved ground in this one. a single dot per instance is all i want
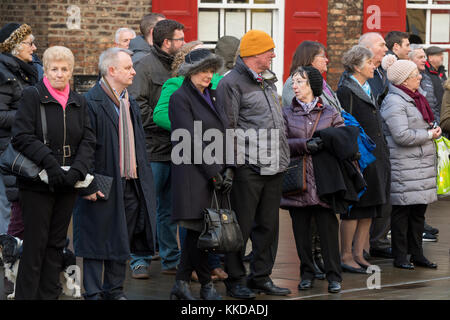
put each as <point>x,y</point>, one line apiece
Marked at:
<point>395,283</point>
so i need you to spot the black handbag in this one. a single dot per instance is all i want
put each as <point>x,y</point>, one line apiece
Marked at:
<point>294,180</point>
<point>221,232</point>
<point>15,163</point>
<point>104,184</point>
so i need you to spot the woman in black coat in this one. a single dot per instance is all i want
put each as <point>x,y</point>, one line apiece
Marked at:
<point>17,72</point>
<point>356,97</point>
<point>47,207</point>
<point>193,180</point>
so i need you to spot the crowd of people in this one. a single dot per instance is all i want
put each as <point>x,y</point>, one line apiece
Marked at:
<point>367,150</point>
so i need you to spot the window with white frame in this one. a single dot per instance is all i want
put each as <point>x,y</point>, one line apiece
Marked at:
<point>429,20</point>
<point>218,18</point>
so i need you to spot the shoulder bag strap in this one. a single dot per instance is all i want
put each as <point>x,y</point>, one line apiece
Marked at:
<point>44,124</point>
<point>316,123</point>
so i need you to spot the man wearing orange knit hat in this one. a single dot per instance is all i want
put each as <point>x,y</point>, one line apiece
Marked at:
<point>248,97</point>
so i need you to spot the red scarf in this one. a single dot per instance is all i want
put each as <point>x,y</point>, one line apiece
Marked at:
<point>420,102</point>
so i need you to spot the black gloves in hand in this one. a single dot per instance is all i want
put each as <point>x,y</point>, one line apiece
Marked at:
<point>217,181</point>
<point>56,177</point>
<point>314,144</point>
<point>228,176</point>
<point>72,177</point>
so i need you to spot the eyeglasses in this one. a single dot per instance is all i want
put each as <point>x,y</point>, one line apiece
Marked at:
<point>299,82</point>
<point>30,44</point>
<point>321,56</point>
<point>179,39</point>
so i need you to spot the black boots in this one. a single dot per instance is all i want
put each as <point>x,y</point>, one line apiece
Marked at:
<point>181,291</point>
<point>208,292</point>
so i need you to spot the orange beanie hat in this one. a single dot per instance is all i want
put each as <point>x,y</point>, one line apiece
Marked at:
<point>255,42</point>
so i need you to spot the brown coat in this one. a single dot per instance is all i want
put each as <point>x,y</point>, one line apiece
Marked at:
<point>299,126</point>
<point>445,108</point>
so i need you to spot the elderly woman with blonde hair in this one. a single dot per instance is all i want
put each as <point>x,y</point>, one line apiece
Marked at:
<point>66,154</point>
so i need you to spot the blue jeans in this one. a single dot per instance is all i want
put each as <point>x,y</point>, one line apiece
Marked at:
<point>166,228</point>
<point>5,208</point>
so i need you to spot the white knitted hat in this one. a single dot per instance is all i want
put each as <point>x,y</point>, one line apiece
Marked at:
<point>397,70</point>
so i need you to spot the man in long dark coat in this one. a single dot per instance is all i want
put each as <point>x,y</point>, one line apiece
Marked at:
<point>106,231</point>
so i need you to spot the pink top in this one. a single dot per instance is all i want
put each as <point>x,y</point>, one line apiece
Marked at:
<point>60,96</point>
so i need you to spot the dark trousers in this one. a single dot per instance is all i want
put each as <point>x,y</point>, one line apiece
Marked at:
<point>46,218</point>
<point>193,259</point>
<point>380,228</point>
<point>139,237</point>
<point>256,200</point>
<point>110,285</point>
<point>406,231</point>
<point>328,229</point>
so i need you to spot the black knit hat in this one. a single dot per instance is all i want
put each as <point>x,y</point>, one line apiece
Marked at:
<point>199,60</point>
<point>315,80</point>
<point>12,34</point>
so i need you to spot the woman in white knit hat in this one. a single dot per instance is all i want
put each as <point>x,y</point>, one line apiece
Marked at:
<point>409,132</point>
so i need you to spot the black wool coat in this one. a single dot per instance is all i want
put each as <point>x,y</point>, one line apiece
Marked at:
<point>70,126</point>
<point>100,227</point>
<point>366,111</point>
<point>191,183</point>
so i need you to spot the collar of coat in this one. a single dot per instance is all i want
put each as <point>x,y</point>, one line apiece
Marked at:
<point>267,75</point>
<point>356,89</point>
<point>394,90</point>
<point>297,108</point>
<point>46,97</point>
<point>431,69</point>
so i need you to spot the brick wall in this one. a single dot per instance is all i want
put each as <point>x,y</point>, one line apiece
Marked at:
<point>345,22</point>
<point>99,21</point>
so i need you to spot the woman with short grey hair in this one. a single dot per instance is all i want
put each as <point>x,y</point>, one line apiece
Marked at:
<point>356,98</point>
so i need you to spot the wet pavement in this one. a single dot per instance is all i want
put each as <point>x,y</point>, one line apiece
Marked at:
<point>395,284</point>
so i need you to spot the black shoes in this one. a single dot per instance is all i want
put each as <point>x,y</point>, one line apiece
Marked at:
<point>181,291</point>
<point>268,288</point>
<point>429,229</point>
<point>429,237</point>
<point>334,287</point>
<point>405,265</point>
<point>208,292</point>
<point>347,268</point>
<point>424,262</point>
<point>240,292</point>
<point>305,284</point>
<point>381,253</point>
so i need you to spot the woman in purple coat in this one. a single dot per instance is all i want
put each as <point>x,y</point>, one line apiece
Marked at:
<point>299,118</point>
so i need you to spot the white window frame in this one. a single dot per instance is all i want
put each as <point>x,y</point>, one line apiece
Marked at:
<point>278,28</point>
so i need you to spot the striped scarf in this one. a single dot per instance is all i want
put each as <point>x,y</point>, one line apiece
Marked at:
<point>127,153</point>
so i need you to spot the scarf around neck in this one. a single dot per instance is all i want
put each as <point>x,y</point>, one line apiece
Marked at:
<point>62,96</point>
<point>420,101</point>
<point>127,152</point>
<point>307,107</point>
<point>28,71</point>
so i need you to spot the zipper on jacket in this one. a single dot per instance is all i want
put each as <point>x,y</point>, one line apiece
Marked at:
<point>64,142</point>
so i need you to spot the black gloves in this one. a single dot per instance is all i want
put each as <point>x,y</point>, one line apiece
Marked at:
<point>225,182</point>
<point>314,144</point>
<point>72,177</point>
<point>228,176</point>
<point>56,175</point>
<point>217,182</point>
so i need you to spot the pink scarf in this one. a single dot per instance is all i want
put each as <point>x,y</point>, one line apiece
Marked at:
<point>60,96</point>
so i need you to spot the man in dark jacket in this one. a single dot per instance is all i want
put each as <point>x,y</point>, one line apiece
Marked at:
<point>398,43</point>
<point>380,245</point>
<point>151,73</point>
<point>249,99</point>
<point>141,45</point>
<point>433,79</point>
<point>107,231</point>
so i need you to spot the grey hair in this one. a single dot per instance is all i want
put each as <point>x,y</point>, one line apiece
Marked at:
<point>18,47</point>
<point>355,58</point>
<point>108,59</point>
<point>414,48</point>
<point>120,30</point>
<point>366,40</point>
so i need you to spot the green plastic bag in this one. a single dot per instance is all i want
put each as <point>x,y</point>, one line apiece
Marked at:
<point>443,166</point>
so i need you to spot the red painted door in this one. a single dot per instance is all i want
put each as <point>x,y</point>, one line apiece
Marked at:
<point>183,11</point>
<point>304,20</point>
<point>384,15</point>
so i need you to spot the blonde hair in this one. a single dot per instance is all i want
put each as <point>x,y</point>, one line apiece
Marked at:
<point>179,57</point>
<point>58,53</point>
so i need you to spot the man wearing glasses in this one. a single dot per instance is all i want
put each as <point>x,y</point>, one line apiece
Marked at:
<point>151,72</point>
